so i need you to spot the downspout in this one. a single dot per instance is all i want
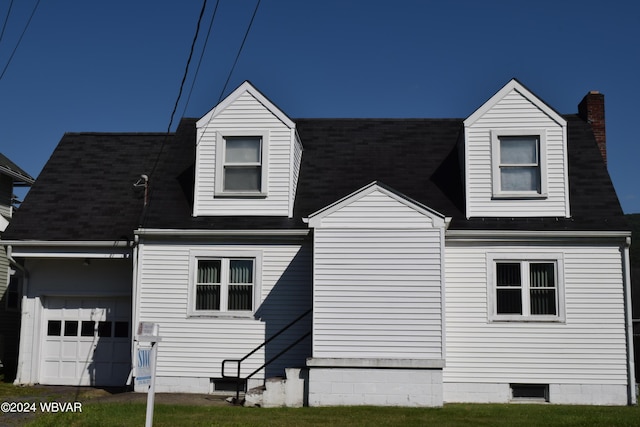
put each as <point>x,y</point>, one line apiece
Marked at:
<point>15,263</point>
<point>631,380</point>
<point>135,316</point>
<point>24,292</point>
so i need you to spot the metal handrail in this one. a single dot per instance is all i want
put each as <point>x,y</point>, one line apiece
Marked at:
<point>238,377</point>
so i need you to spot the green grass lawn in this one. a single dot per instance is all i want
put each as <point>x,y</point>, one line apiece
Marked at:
<point>127,414</point>
<point>133,414</point>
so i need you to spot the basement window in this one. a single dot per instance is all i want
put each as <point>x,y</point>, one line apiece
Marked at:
<point>530,392</point>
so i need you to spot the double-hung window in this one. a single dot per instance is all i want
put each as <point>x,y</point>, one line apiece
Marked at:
<point>224,284</point>
<point>241,163</point>
<point>526,288</point>
<point>519,168</point>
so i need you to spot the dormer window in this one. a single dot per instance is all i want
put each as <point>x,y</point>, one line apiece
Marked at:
<point>519,169</point>
<point>520,163</point>
<point>241,164</point>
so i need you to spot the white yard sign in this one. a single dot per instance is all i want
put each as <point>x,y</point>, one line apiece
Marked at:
<point>146,356</point>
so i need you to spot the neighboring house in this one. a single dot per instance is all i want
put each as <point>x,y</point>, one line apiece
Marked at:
<point>483,259</point>
<point>11,176</point>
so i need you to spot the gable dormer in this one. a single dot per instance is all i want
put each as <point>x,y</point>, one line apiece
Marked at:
<point>247,158</point>
<point>515,149</point>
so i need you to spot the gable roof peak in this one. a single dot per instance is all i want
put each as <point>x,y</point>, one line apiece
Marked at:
<point>376,186</point>
<point>245,87</point>
<point>515,84</point>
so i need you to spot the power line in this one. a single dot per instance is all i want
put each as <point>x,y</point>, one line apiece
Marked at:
<point>6,19</point>
<point>184,78</point>
<point>144,214</point>
<point>204,47</point>
<point>186,69</point>
<point>246,34</point>
<point>164,141</point>
<point>33,12</point>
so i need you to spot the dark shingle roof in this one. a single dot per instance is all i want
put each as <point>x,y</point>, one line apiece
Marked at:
<point>85,191</point>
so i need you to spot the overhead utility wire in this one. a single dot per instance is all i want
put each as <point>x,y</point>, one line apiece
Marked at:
<point>186,69</point>
<point>20,39</point>
<point>145,178</point>
<point>155,164</point>
<point>204,47</point>
<point>246,34</point>
<point>6,19</point>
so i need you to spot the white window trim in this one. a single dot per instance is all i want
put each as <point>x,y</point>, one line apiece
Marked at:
<point>495,164</point>
<point>494,258</point>
<point>196,255</point>
<point>220,156</point>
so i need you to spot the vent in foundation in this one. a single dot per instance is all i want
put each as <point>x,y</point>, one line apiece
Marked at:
<point>530,392</point>
<point>225,384</point>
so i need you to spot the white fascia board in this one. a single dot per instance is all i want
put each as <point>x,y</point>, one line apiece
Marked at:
<point>23,253</point>
<point>565,165</point>
<point>150,232</point>
<point>244,87</point>
<point>68,243</point>
<point>530,235</point>
<point>514,84</point>
<point>69,249</point>
<point>315,218</point>
<point>4,223</point>
<point>16,176</point>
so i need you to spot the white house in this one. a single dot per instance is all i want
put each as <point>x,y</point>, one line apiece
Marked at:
<point>11,176</point>
<point>391,261</point>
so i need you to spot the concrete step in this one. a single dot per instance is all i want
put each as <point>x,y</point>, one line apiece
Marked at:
<point>279,391</point>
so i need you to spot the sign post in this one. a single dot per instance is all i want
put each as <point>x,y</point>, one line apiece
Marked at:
<point>146,356</point>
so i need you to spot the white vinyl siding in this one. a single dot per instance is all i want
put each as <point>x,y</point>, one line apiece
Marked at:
<point>378,278</point>
<point>515,114</point>
<point>245,115</point>
<point>375,210</point>
<point>6,193</point>
<point>296,161</point>
<point>377,294</point>
<point>195,346</point>
<point>587,348</point>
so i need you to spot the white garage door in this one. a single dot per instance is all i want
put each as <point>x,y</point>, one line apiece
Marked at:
<point>86,341</point>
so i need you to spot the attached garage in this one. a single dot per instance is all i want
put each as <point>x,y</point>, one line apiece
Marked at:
<point>76,320</point>
<point>86,341</point>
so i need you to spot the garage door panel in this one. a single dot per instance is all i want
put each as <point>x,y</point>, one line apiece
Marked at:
<point>70,350</point>
<point>68,369</point>
<point>86,341</point>
<point>52,349</point>
<point>121,353</point>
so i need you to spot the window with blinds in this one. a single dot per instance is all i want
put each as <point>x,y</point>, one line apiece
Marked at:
<point>225,284</point>
<point>526,289</point>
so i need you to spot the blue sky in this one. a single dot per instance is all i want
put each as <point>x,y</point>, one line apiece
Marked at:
<point>116,65</point>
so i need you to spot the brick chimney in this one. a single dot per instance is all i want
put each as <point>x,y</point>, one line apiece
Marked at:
<point>591,110</point>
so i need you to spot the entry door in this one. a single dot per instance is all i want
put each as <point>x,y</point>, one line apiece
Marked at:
<point>86,341</point>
